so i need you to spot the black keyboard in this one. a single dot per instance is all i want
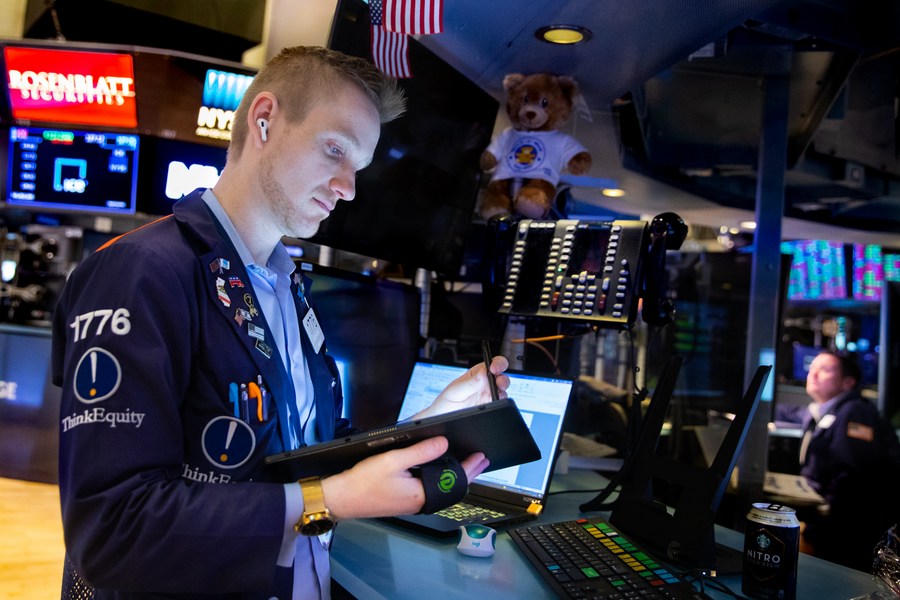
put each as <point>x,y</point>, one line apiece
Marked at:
<point>589,559</point>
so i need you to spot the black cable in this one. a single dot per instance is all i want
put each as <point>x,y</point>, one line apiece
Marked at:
<point>51,4</point>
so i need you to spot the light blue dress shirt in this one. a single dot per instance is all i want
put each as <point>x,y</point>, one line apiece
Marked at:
<point>309,555</point>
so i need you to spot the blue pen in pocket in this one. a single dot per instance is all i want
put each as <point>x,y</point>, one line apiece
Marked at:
<point>234,399</point>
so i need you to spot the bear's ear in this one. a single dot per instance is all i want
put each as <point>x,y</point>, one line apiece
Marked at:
<point>568,85</point>
<point>512,80</point>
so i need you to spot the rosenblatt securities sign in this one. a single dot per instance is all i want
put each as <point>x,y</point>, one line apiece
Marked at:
<point>69,86</point>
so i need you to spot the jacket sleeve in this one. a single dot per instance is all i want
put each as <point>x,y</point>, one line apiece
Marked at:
<point>125,341</point>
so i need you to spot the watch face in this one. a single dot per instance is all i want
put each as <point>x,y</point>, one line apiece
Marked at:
<point>317,526</point>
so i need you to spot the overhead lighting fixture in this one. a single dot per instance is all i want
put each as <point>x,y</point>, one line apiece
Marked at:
<point>563,34</point>
<point>612,192</point>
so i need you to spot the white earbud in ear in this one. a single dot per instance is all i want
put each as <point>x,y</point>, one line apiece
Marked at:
<point>263,128</point>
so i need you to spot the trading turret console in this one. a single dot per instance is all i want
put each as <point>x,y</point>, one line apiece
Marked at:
<point>591,271</point>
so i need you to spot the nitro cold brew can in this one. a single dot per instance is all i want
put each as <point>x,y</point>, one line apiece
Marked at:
<point>771,549</point>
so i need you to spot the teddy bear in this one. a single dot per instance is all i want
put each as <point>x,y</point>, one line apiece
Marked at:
<point>528,157</point>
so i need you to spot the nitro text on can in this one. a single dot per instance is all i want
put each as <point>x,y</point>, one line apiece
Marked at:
<point>771,548</point>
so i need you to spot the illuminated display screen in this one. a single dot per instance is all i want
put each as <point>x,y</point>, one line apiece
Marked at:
<point>868,272</point>
<point>891,267</point>
<point>818,270</point>
<point>222,92</point>
<point>172,169</point>
<point>69,86</point>
<point>72,170</point>
<point>203,109</point>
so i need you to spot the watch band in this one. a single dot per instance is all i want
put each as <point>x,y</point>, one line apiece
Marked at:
<point>316,519</point>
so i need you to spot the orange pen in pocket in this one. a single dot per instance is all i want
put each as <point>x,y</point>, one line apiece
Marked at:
<point>255,392</point>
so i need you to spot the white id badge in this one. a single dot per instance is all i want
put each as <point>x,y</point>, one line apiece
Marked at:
<point>313,330</point>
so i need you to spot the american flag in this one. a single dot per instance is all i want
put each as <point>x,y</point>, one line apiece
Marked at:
<point>414,17</point>
<point>389,49</point>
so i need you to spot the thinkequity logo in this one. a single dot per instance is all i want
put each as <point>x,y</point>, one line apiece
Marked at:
<point>97,377</point>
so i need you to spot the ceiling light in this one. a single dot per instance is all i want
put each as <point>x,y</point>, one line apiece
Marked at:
<point>563,34</point>
<point>612,192</point>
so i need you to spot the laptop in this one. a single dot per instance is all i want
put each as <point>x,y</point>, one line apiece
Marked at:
<point>502,497</point>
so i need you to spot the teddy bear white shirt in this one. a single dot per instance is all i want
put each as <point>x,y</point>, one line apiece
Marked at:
<point>533,154</point>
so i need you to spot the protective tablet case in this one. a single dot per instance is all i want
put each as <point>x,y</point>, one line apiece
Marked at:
<point>495,428</point>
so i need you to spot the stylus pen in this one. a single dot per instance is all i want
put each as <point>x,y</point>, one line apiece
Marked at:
<point>486,350</point>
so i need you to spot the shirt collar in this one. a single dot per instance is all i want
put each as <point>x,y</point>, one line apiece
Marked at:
<point>279,261</point>
<point>825,407</point>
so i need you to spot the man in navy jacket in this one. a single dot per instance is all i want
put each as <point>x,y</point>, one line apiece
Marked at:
<point>851,456</point>
<point>189,349</point>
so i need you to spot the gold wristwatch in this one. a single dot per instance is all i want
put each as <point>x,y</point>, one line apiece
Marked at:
<point>316,519</point>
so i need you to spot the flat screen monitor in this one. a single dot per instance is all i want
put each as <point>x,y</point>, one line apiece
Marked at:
<point>371,328</point>
<point>171,169</point>
<point>80,87</point>
<point>891,266</point>
<point>818,270</point>
<point>72,170</point>
<point>803,356</point>
<point>414,204</point>
<point>29,405</point>
<point>868,272</point>
<point>202,110</point>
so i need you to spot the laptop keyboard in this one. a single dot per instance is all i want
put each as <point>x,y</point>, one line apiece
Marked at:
<point>590,559</point>
<point>469,513</point>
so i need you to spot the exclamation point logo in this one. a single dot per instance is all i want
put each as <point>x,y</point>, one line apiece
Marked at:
<point>93,391</point>
<point>228,442</point>
<point>232,426</point>
<point>97,376</point>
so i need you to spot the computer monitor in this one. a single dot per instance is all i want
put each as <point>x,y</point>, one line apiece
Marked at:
<point>415,202</point>
<point>867,272</point>
<point>171,169</point>
<point>818,270</point>
<point>63,169</point>
<point>371,327</point>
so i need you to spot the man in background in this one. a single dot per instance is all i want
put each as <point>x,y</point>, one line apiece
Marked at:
<point>851,456</point>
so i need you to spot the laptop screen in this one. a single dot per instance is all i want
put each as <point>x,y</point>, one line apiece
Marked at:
<point>542,400</point>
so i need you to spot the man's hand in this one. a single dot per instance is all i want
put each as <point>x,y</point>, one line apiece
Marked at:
<point>469,389</point>
<point>382,485</point>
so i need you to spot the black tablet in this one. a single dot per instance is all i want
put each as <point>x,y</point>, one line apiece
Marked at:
<point>495,428</point>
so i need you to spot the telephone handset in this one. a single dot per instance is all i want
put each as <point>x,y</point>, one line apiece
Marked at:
<point>667,232</point>
<point>495,260</point>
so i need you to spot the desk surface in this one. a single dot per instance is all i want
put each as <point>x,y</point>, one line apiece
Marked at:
<point>373,559</point>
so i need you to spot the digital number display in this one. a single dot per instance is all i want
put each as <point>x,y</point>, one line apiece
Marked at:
<point>72,170</point>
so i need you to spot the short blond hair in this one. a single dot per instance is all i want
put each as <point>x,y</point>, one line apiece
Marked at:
<point>299,76</point>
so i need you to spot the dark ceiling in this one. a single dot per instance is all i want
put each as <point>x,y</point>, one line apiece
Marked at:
<point>685,81</point>
<point>219,28</point>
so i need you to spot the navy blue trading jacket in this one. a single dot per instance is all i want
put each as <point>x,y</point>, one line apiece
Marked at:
<point>148,335</point>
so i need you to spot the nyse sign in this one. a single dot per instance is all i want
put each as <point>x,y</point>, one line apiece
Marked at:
<point>222,92</point>
<point>214,123</point>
